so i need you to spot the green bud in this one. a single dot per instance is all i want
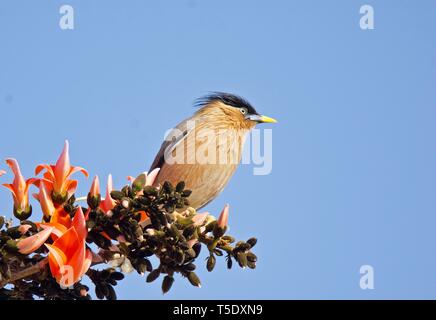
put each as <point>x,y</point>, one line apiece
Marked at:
<point>59,198</point>
<point>23,215</point>
<point>218,232</point>
<point>11,246</point>
<point>167,284</point>
<point>93,201</point>
<point>150,191</point>
<point>117,195</point>
<point>139,183</point>
<point>251,265</point>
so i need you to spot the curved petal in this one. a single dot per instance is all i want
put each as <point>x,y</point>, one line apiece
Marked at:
<point>223,219</point>
<point>56,259</point>
<point>68,242</point>
<point>30,244</point>
<point>58,229</point>
<point>79,223</point>
<point>48,168</point>
<point>24,228</point>
<point>11,188</point>
<point>200,218</point>
<point>2,172</point>
<point>13,164</point>
<point>88,261</point>
<point>95,187</point>
<point>63,167</point>
<point>108,203</point>
<point>61,217</point>
<point>45,200</point>
<point>78,169</point>
<point>71,187</point>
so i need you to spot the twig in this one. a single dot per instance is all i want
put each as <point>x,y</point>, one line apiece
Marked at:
<point>24,273</point>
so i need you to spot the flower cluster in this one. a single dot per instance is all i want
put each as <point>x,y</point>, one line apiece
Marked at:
<point>124,229</point>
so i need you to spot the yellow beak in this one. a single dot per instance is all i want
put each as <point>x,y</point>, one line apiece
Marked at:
<point>266,119</point>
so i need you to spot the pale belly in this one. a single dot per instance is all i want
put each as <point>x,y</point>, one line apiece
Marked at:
<point>205,180</point>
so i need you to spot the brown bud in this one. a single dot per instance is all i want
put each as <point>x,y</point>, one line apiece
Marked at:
<point>194,279</point>
<point>211,261</point>
<point>167,284</point>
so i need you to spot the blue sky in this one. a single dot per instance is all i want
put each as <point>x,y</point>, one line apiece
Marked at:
<point>354,153</point>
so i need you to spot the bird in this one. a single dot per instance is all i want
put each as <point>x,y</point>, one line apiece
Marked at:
<point>217,130</point>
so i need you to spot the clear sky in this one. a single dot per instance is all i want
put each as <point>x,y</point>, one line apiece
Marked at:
<point>354,152</point>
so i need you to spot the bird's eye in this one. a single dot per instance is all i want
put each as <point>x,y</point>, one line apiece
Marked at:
<point>244,111</point>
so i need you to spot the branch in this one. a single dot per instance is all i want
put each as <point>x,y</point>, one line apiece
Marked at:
<point>27,272</point>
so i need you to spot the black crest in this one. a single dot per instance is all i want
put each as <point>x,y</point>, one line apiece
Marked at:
<point>228,99</point>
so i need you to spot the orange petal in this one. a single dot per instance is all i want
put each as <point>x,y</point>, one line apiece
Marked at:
<point>63,167</point>
<point>48,168</point>
<point>95,188</point>
<point>61,217</point>
<point>24,228</point>
<point>104,234</point>
<point>30,244</point>
<point>71,187</point>
<point>45,200</point>
<point>144,216</point>
<point>56,259</point>
<point>11,188</point>
<point>13,164</point>
<point>88,261</point>
<point>68,242</point>
<point>79,223</point>
<point>108,203</point>
<point>78,169</point>
<point>200,218</point>
<point>58,229</point>
<point>77,261</point>
<point>223,219</point>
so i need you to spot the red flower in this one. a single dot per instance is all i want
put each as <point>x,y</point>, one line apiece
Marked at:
<point>108,203</point>
<point>19,189</point>
<point>58,175</point>
<point>223,219</point>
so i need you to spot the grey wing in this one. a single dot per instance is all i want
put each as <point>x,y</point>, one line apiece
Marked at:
<point>178,134</point>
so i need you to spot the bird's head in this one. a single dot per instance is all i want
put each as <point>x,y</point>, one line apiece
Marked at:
<point>231,110</point>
